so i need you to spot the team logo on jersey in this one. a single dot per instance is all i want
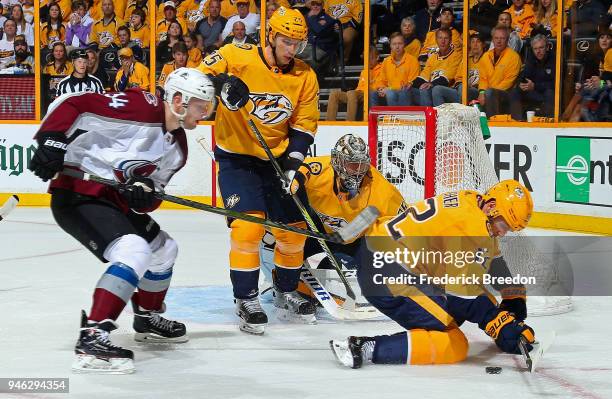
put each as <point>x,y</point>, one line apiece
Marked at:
<point>315,167</point>
<point>106,38</point>
<point>132,168</point>
<point>339,10</point>
<point>271,108</point>
<point>151,98</point>
<point>333,222</point>
<point>232,200</point>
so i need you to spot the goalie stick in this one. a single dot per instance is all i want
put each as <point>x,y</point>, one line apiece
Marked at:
<point>532,358</point>
<point>8,206</point>
<point>347,233</point>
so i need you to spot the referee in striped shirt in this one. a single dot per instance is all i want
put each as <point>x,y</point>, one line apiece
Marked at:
<point>79,80</point>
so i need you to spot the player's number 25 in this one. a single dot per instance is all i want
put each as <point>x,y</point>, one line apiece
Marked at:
<point>394,225</point>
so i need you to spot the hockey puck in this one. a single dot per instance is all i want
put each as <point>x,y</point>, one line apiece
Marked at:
<point>493,370</point>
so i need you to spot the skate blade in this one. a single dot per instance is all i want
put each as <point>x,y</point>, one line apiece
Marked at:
<point>151,338</point>
<point>291,317</point>
<point>254,329</point>
<point>342,353</point>
<point>88,364</point>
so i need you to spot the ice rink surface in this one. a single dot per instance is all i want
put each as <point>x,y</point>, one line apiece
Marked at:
<point>47,278</point>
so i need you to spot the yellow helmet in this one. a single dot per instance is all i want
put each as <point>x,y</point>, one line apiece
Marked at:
<point>288,22</point>
<point>512,202</point>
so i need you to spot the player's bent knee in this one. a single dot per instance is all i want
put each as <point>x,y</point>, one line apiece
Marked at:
<point>438,347</point>
<point>244,243</point>
<point>289,250</point>
<point>165,251</point>
<point>131,250</point>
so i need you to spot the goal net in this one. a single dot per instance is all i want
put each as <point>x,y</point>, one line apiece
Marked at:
<point>425,151</point>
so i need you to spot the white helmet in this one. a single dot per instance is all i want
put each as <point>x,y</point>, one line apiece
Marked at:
<point>191,83</point>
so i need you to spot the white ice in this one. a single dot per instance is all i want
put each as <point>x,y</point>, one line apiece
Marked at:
<point>47,278</point>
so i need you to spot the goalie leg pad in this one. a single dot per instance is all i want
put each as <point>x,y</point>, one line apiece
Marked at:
<point>289,250</point>
<point>245,238</point>
<point>437,347</point>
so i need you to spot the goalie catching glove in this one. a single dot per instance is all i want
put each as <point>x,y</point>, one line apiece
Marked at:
<point>507,331</point>
<point>49,156</point>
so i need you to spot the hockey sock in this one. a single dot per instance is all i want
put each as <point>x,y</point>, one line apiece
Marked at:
<point>152,290</point>
<point>391,349</point>
<point>245,283</point>
<point>113,291</point>
<point>287,279</point>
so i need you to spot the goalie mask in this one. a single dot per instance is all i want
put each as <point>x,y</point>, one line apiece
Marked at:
<point>190,83</point>
<point>351,162</point>
<point>512,202</point>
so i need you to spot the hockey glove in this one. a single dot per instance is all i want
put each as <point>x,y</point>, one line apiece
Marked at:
<point>290,166</point>
<point>234,92</point>
<point>516,306</point>
<point>507,331</point>
<point>49,156</point>
<point>139,192</point>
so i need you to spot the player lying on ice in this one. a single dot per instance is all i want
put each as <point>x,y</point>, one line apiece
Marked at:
<point>463,221</point>
<point>338,186</point>
<point>283,105</point>
<point>137,138</point>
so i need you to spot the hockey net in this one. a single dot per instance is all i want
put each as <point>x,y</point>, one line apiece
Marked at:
<point>425,151</point>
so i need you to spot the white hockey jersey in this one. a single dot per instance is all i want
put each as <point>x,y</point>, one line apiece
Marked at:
<point>115,136</point>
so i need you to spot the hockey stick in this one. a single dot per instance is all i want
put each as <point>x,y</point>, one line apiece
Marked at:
<point>309,221</point>
<point>532,359</point>
<point>8,206</point>
<point>347,233</point>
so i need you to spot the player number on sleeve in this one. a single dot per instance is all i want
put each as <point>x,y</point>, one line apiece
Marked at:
<point>213,58</point>
<point>395,225</point>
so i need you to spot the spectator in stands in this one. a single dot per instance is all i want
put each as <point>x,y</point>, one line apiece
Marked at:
<point>350,15</point>
<point>94,68</point>
<point>440,69</point>
<point>523,18</point>
<point>79,80</point>
<point>164,48</point>
<point>352,98</point>
<point>23,26</point>
<point>169,17</point>
<point>412,43</point>
<point>194,54</point>
<point>125,40</point>
<point>28,10</point>
<point>23,63</point>
<point>446,21</point>
<point>398,71</point>
<point>139,30</point>
<point>586,18</point>
<point>104,30</point>
<point>271,6</point>
<point>239,35</point>
<point>442,94</point>
<point>498,69</point>
<point>546,18</point>
<point>483,17</point>
<point>132,72</point>
<point>250,20</point>
<point>210,28</point>
<point>514,42</point>
<point>138,5</point>
<point>179,54</point>
<point>536,88</point>
<point>56,69</point>
<point>322,37</point>
<point>7,46</point>
<point>596,90</point>
<point>79,27</point>
<point>52,29</point>
<point>2,19</point>
<point>428,19</point>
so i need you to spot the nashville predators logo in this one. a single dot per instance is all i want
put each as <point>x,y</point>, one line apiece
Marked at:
<point>339,10</point>
<point>106,38</point>
<point>232,200</point>
<point>271,108</point>
<point>132,168</point>
<point>436,74</point>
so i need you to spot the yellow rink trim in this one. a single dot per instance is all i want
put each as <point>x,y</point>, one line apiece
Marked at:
<point>556,221</point>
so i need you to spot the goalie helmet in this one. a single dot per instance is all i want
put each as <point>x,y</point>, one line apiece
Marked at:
<point>288,22</point>
<point>351,161</point>
<point>512,202</point>
<point>190,83</point>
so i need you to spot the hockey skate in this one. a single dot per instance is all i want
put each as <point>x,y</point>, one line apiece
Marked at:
<point>291,306</point>
<point>349,351</point>
<point>150,327</point>
<point>96,354</point>
<point>253,319</point>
